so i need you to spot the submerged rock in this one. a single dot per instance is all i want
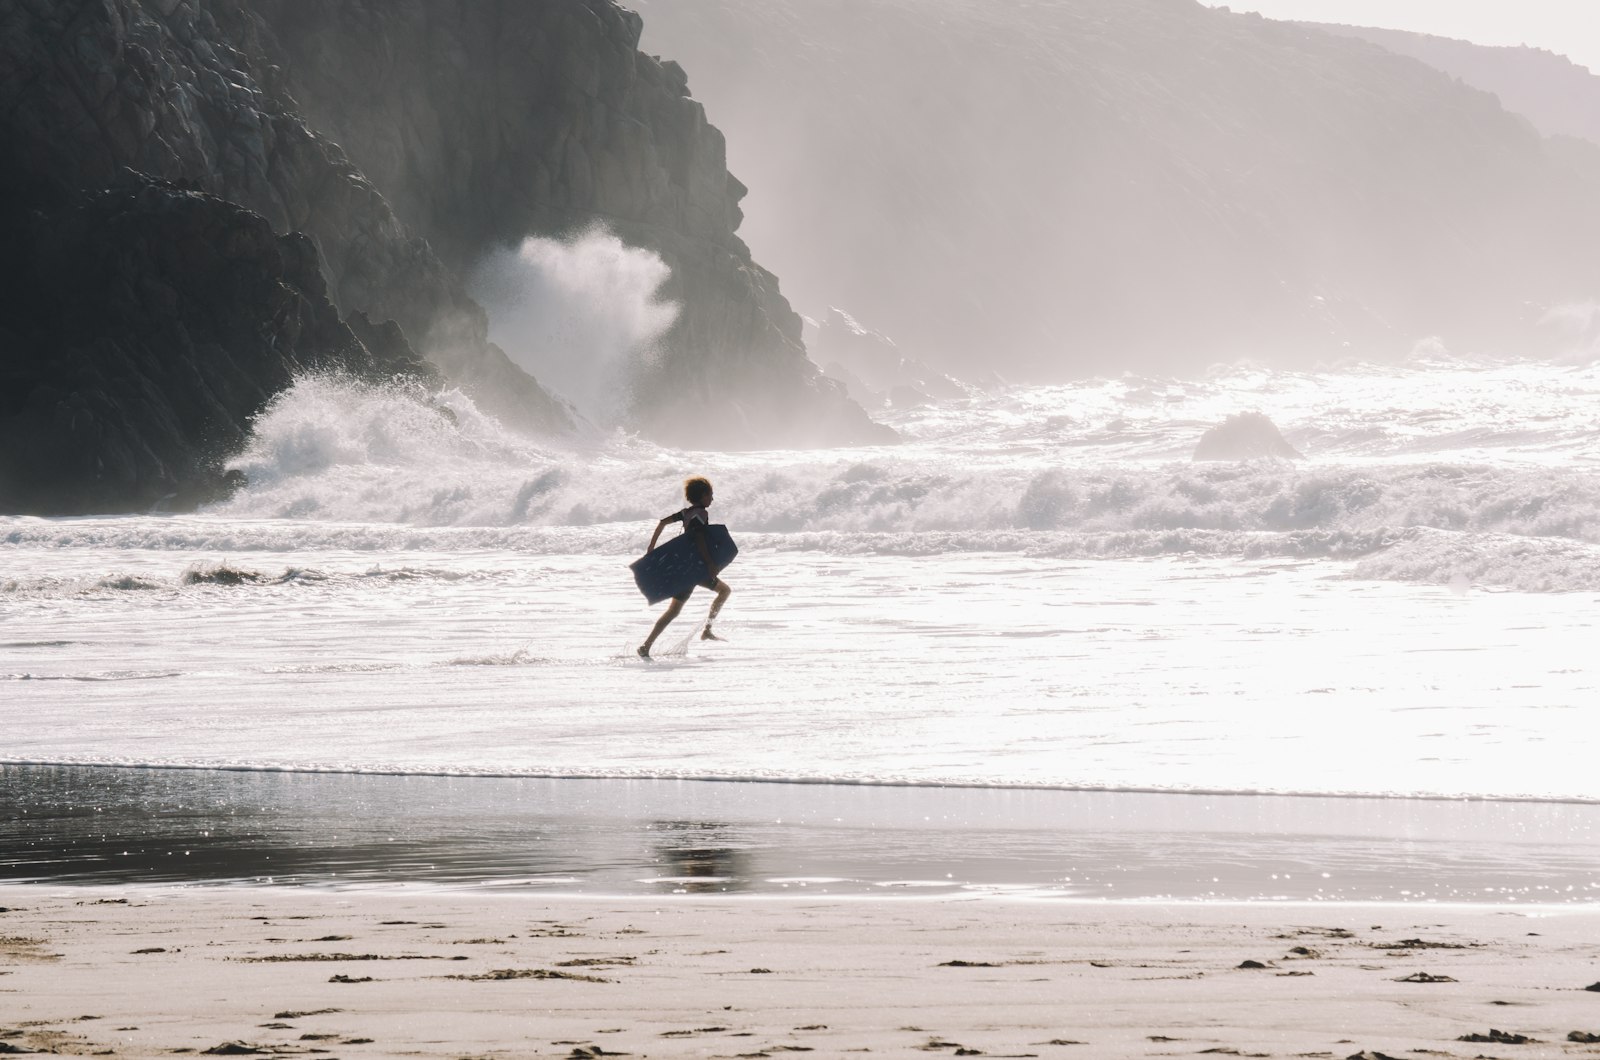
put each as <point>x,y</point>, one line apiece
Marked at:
<point>1246,436</point>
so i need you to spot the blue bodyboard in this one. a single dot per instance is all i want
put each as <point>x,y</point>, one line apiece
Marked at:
<point>676,567</point>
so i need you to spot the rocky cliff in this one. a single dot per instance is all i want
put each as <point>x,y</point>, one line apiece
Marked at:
<point>144,326</point>
<point>1054,189</point>
<point>487,122</point>
<point>159,88</point>
<point>482,123</point>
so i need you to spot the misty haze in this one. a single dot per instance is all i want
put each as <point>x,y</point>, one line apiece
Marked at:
<point>1087,508</point>
<point>1054,190</point>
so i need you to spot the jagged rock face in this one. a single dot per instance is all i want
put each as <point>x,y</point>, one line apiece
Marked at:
<point>1246,436</point>
<point>488,122</point>
<point>1055,189</point>
<point>485,121</point>
<point>149,324</point>
<point>89,88</point>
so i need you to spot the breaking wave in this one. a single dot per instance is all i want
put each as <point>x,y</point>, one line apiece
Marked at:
<point>1446,489</point>
<point>332,450</point>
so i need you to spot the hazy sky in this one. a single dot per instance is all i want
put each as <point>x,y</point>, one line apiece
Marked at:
<point>1571,27</point>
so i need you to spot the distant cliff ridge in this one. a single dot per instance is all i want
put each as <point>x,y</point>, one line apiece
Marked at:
<point>1057,189</point>
<point>488,121</point>
<point>1559,96</point>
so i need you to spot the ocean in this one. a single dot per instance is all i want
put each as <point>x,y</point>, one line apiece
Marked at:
<point>1037,590</point>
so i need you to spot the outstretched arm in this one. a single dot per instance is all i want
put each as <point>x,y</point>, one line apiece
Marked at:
<point>651,547</point>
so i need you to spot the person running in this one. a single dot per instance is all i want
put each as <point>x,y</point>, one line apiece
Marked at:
<point>695,519</point>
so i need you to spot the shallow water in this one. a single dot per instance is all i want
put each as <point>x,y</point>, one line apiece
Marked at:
<point>1186,674</point>
<point>1036,589</point>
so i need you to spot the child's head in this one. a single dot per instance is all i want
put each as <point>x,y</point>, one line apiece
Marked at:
<point>697,491</point>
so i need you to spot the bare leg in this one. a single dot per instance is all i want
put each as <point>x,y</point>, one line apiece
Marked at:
<point>662,623</point>
<point>716,606</point>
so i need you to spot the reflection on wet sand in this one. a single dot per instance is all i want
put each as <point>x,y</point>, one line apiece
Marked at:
<point>108,825</point>
<point>693,862</point>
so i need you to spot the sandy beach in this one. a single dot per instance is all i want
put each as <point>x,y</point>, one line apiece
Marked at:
<point>1148,452</point>
<point>238,971</point>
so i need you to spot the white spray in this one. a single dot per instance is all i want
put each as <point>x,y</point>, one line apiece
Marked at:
<point>578,313</point>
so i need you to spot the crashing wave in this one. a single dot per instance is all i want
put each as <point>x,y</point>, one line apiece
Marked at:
<point>1414,488</point>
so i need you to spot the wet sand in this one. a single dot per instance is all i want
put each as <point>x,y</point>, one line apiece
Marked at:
<point>132,971</point>
<point>103,826</point>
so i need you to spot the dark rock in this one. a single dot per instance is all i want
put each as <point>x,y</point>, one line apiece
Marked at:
<point>93,91</point>
<point>1247,436</point>
<point>1420,944</point>
<point>1583,1037</point>
<point>1251,964</point>
<point>1498,1037</point>
<point>148,324</point>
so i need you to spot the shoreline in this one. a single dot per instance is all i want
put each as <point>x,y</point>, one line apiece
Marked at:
<point>818,781</point>
<point>150,971</point>
<point>909,896</point>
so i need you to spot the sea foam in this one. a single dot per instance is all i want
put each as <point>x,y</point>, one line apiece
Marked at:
<point>1412,470</point>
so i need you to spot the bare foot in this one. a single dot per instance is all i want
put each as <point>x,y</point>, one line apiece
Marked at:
<point>706,634</point>
<point>644,652</point>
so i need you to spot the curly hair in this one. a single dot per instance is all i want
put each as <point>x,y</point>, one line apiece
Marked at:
<point>696,489</point>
